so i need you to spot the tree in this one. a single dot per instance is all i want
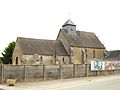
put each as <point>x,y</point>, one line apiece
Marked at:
<point>1,60</point>
<point>7,53</point>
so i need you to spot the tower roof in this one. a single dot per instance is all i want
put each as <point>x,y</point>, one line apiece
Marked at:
<point>69,22</point>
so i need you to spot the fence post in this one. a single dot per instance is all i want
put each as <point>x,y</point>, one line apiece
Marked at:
<point>59,72</point>
<point>43,72</point>
<point>24,73</point>
<point>2,73</point>
<point>113,72</point>
<point>96,73</point>
<point>73,70</point>
<point>60,76</point>
<point>86,70</point>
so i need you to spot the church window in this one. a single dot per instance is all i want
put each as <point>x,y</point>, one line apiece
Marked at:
<point>41,58</point>
<point>63,60</point>
<point>82,56</point>
<point>93,53</point>
<point>86,53</point>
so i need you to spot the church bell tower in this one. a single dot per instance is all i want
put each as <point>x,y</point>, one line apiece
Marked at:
<point>70,27</point>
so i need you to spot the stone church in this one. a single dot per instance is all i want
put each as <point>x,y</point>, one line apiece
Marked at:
<point>70,47</point>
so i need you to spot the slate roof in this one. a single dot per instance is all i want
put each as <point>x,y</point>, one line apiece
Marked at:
<point>83,39</point>
<point>113,55</point>
<point>68,22</point>
<point>41,46</point>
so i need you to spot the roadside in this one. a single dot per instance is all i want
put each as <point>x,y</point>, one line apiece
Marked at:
<point>54,84</point>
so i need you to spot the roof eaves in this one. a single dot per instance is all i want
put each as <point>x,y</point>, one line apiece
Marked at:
<point>86,47</point>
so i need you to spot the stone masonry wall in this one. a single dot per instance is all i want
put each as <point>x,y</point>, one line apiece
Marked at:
<point>46,60</point>
<point>78,58</point>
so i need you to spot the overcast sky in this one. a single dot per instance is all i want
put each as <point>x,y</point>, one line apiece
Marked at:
<point>43,19</point>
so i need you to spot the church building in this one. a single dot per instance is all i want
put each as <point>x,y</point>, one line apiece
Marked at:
<point>70,47</point>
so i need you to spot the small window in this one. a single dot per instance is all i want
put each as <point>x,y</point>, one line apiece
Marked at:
<point>86,53</point>
<point>63,60</point>
<point>16,60</point>
<point>41,58</point>
<point>93,53</point>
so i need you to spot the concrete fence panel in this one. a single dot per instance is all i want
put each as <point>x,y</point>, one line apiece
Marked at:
<point>79,70</point>
<point>66,71</point>
<point>91,73</point>
<point>33,72</point>
<point>13,72</point>
<point>51,72</point>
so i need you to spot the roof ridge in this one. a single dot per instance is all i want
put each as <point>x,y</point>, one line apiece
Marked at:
<point>85,32</point>
<point>114,50</point>
<point>35,39</point>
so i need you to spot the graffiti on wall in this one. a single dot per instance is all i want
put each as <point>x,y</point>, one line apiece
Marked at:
<point>97,65</point>
<point>112,65</point>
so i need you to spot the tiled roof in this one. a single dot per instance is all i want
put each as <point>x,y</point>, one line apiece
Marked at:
<point>69,22</point>
<point>41,46</point>
<point>113,55</point>
<point>83,39</point>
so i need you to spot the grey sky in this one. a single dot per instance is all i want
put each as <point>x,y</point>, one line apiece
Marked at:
<point>43,19</point>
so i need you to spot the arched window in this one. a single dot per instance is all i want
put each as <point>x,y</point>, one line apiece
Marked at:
<point>63,60</point>
<point>82,52</point>
<point>86,53</point>
<point>93,53</point>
